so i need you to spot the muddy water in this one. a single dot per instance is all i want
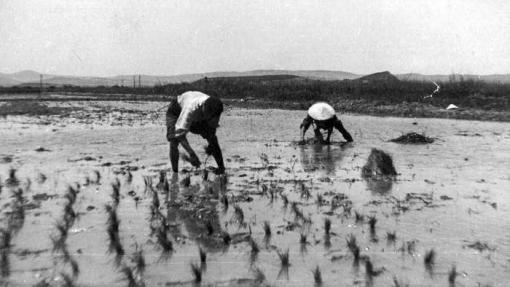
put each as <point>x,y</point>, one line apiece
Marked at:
<point>449,195</point>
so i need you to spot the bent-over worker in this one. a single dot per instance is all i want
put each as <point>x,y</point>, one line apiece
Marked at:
<point>323,116</point>
<point>200,114</point>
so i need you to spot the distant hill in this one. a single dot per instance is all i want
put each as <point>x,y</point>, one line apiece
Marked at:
<point>31,78</point>
<point>378,77</point>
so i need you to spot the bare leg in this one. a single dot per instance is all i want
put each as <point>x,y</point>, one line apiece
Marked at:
<point>318,135</point>
<point>330,130</point>
<point>174,155</point>
<point>216,153</point>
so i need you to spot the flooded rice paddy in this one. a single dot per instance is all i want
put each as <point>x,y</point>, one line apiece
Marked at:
<point>92,202</point>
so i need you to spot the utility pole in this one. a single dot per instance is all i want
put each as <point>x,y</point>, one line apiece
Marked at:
<point>40,84</point>
<point>134,82</point>
<point>139,81</point>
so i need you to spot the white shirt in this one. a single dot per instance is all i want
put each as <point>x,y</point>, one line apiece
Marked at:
<point>191,105</point>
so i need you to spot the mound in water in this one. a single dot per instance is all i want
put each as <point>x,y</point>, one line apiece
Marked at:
<point>413,138</point>
<point>379,165</point>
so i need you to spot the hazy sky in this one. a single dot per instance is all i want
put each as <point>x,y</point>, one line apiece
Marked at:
<point>111,37</point>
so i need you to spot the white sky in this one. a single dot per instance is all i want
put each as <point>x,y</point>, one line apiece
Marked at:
<point>111,37</point>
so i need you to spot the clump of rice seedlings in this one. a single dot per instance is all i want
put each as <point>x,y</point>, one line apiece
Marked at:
<point>317,276</point>
<point>155,201</point>
<point>5,266</point>
<point>379,165</point>
<point>75,269</point>
<point>129,177</point>
<point>359,217</point>
<point>411,247</point>
<point>67,280</point>
<point>399,283</point>
<point>264,189</point>
<point>148,183</point>
<point>303,239</point>
<point>259,275</point>
<point>186,181</point>
<point>12,180</point>
<point>429,259</point>
<point>98,177</point>
<point>353,247</point>
<point>391,237</point>
<point>5,241</point>
<point>41,178</point>
<point>71,194</point>
<point>209,227</point>
<point>267,229</point>
<point>139,261</point>
<point>196,271</point>
<point>327,226</point>
<point>116,192</point>
<point>285,200</point>
<point>297,212</point>
<point>452,275</point>
<point>320,200</point>
<point>164,242</point>
<point>305,192</point>
<point>254,246</point>
<point>224,201</point>
<point>61,237</point>
<point>226,238</point>
<point>372,220</point>
<point>284,258</point>
<point>205,174</point>
<point>129,276</point>
<point>203,255</point>
<point>239,215</point>
<point>370,272</point>
<point>113,234</point>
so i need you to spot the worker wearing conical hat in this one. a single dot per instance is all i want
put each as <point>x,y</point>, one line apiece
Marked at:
<point>200,114</point>
<point>323,116</point>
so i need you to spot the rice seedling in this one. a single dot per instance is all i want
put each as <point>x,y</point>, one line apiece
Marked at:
<point>205,174</point>
<point>164,242</point>
<point>359,217</point>
<point>203,255</point>
<point>5,239</point>
<point>260,277</point>
<point>452,275</point>
<point>196,271</point>
<point>254,246</point>
<point>115,192</point>
<point>264,189</point>
<point>370,272</point>
<point>129,276</point>
<point>12,180</point>
<point>372,220</point>
<point>139,260</point>
<point>429,259</point>
<point>297,212</point>
<point>75,269</point>
<point>148,183</point>
<point>5,266</point>
<point>391,237</point>
<point>399,283</point>
<point>67,281</point>
<point>98,177</point>
<point>224,201</point>
<point>59,240</point>
<point>284,258</point>
<point>305,192</point>
<point>209,227</point>
<point>285,200</point>
<point>317,276</point>
<point>239,215</point>
<point>226,238</point>
<point>320,200</point>
<point>303,239</point>
<point>186,181</point>
<point>129,177</point>
<point>267,229</point>
<point>327,226</point>
<point>353,247</point>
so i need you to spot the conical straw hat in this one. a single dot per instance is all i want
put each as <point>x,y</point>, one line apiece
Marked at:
<point>321,111</point>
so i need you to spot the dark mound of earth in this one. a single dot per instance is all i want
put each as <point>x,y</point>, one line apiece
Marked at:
<point>413,138</point>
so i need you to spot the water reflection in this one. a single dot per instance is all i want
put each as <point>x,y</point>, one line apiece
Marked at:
<point>192,208</point>
<point>321,157</point>
<point>379,186</point>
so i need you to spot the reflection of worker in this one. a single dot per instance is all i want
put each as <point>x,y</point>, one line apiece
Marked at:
<point>322,116</point>
<point>198,113</point>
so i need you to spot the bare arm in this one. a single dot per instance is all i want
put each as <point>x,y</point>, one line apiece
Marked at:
<point>307,122</point>
<point>340,127</point>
